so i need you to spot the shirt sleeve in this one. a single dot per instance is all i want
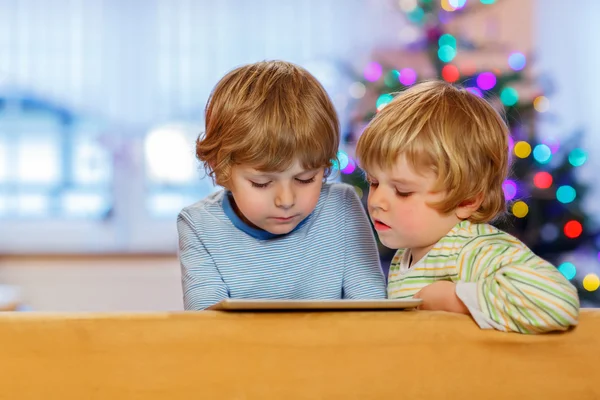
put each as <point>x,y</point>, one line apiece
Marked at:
<point>202,283</point>
<point>363,277</point>
<point>510,288</point>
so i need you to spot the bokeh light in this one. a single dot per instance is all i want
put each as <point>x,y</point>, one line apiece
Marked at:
<point>447,40</point>
<point>522,149</point>
<point>487,1</point>
<point>591,282</point>
<point>357,90</point>
<point>446,53</point>
<point>383,101</point>
<point>568,270</point>
<point>408,76</point>
<point>486,80</point>
<point>542,180</point>
<point>407,5</point>
<point>509,96</point>
<point>517,61</point>
<point>342,159</point>
<point>446,6</point>
<point>350,167</point>
<point>542,154</point>
<point>577,157</point>
<point>520,209</point>
<point>573,229</point>
<point>457,3</point>
<point>566,194</point>
<point>510,189</point>
<point>392,78</point>
<point>549,232</point>
<point>450,73</point>
<point>417,15</point>
<point>553,143</point>
<point>475,91</point>
<point>359,192</point>
<point>373,71</point>
<point>541,104</point>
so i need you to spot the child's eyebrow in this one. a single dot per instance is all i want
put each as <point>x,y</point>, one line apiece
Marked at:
<point>273,175</point>
<point>403,182</point>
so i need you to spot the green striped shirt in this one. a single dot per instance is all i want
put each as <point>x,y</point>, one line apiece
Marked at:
<point>515,290</point>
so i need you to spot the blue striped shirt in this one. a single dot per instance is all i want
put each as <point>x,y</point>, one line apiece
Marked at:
<point>331,255</point>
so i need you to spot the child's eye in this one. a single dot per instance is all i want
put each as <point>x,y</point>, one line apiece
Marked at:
<point>306,181</point>
<point>259,185</point>
<point>403,194</point>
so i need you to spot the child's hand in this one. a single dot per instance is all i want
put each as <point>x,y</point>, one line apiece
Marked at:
<point>441,296</point>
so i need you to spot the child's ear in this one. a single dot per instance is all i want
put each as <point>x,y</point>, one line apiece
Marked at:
<point>469,206</point>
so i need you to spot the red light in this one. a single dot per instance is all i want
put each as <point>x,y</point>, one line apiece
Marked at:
<point>450,73</point>
<point>573,229</point>
<point>542,180</point>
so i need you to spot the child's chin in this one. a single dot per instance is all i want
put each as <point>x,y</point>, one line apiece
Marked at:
<point>280,230</point>
<point>389,244</point>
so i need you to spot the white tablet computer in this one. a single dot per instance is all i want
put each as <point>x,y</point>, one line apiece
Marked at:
<point>307,305</point>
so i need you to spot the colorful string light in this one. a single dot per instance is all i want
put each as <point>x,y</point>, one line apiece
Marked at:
<point>446,53</point>
<point>357,90</point>
<point>509,96</point>
<point>350,168</point>
<point>520,209</point>
<point>383,101</point>
<point>447,40</point>
<point>566,194</point>
<point>568,270</point>
<point>517,61</point>
<point>577,157</point>
<point>392,78</point>
<point>522,149</point>
<point>573,229</point>
<point>373,71</point>
<point>510,189</point>
<point>450,73</point>
<point>542,180</point>
<point>591,282</point>
<point>475,91</point>
<point>408,76</point>
<point>541,104</point>
<point>486,80</point>
<point>542,154</point>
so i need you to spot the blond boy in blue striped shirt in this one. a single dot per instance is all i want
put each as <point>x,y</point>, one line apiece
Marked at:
<point>276,231</point>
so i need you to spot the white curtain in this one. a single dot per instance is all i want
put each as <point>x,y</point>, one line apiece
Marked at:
<point>568,53</point>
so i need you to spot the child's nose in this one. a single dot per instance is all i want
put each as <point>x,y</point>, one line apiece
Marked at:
<point>285,198</point>
<point>376,199</point>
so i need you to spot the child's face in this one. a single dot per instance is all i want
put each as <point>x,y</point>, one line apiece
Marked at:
<point>277,201</point>
<point>398,208</point>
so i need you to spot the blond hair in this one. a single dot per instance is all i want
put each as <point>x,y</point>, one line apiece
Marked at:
<point>450,131</point>
<point>267,115</point>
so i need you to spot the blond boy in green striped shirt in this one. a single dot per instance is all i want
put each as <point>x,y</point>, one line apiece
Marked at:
<point>436,157</point>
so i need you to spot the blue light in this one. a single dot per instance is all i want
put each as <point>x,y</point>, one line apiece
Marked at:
<point>542,154</point>
<point>517,61</point>
<point>446,53</point>
<point>577,157</point>
<point>568,270</point>
<point>565,194</point>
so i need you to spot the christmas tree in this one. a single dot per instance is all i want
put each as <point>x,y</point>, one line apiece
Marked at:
<point>543,193</point>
